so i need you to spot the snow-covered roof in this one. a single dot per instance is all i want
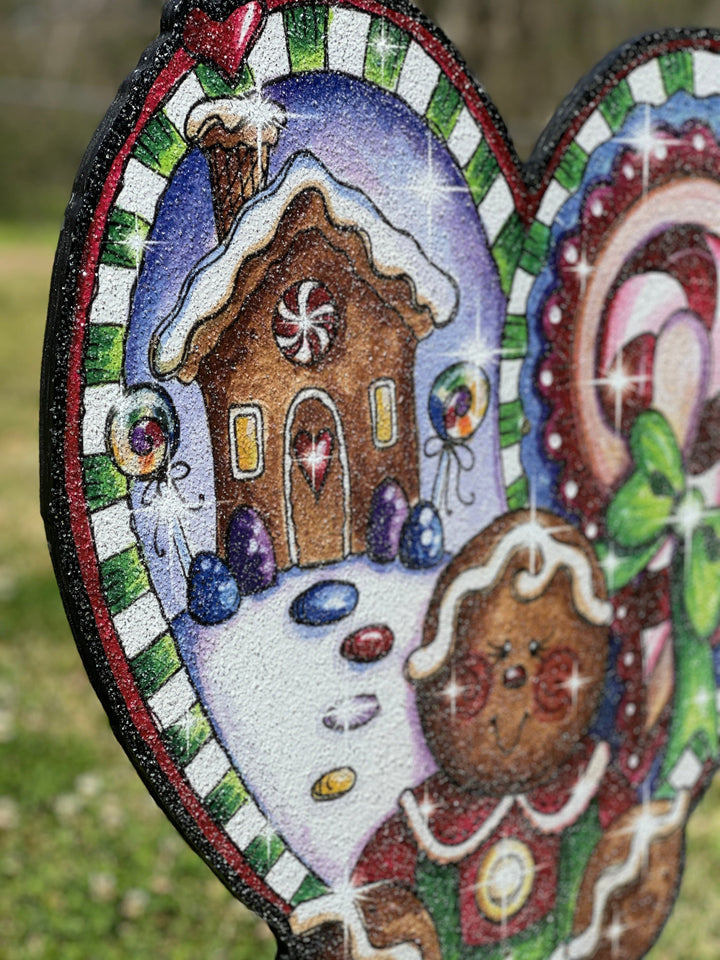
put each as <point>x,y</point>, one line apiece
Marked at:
<point>394,254</point>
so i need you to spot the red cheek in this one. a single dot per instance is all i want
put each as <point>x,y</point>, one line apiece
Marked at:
<point>553,699</point>
<point>473,677</point>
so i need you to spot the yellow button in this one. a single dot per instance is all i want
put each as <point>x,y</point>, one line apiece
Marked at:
<point>505,880</point>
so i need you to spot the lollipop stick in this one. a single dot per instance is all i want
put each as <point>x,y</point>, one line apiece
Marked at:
<point>181,545</point>
<point>441,480</point>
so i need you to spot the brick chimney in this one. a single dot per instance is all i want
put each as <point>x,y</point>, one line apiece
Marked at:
<point>236,134</point>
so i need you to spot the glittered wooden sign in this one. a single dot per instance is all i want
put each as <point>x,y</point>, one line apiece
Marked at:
<point>381,476</point>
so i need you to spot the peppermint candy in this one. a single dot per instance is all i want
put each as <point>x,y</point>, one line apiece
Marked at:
<point>306,323</point>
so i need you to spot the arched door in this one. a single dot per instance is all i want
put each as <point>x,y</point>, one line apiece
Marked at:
<point>317,481</point>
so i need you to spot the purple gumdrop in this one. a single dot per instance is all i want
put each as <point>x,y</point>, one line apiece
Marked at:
<point>250,552</point>
<point>388,512</point>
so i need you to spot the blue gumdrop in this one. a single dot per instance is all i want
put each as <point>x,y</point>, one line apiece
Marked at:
<point>213,594</point>
<point>327,602</point>
<point>388,512</point>
<point>250,552</point>
<point>422,541</point>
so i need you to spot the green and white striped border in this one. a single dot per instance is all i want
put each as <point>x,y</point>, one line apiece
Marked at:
<point>652,83</point>
<point>296,41</point>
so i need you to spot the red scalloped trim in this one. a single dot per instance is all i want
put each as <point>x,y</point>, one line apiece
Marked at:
<point>582,493</point>
<point>638,608</point>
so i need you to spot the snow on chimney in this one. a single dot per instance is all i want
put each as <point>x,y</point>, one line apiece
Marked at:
<point>236,134</point>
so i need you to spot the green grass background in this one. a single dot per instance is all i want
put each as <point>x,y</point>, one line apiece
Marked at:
<point>90,869</point>
<point>89,866</point>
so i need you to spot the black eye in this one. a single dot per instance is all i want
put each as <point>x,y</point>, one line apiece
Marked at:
<point>535,647</point>
<point>500,652</point>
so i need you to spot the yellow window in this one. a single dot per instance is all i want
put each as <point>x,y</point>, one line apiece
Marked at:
<point>246,442</point>
<point>383,408</point>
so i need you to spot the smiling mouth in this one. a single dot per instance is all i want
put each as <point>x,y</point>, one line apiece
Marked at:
<point>505,749</point>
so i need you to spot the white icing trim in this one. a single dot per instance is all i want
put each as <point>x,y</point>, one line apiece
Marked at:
<point>451,853</point>
<point>393,252</point>
<point>582,793</point>
<point>620,875</point>
<point>342,908</point>
<point>259,115</point>
<point>552,555</point>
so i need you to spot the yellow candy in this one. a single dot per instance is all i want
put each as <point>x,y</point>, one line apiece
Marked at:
<point>334,784</point>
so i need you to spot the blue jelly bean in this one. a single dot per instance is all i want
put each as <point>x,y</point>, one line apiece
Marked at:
<point>422,541</point>
<point>213,594</point>
<point>327,602</point>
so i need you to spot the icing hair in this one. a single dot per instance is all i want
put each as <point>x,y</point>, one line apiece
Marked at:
<point>552,555</point>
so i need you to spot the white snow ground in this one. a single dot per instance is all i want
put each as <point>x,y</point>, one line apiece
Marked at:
<point>268,682</point>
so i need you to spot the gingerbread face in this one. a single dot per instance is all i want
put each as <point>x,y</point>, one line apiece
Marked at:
<point>524,675</point>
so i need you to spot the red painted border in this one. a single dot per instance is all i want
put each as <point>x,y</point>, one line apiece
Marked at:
<point>178,67</point>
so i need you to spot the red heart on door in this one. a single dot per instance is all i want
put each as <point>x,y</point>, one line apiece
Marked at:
<point>313,456</point>
<point>223,42</point>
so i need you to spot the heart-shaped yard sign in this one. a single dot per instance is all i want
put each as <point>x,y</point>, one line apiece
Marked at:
<point>382,476</point>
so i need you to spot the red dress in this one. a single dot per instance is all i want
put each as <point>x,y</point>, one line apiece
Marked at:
<point>506,850</point>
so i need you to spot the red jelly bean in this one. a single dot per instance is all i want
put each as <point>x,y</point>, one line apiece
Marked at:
<point>368,645</point>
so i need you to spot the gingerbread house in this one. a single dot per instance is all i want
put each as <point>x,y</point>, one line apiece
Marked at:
<point>301,330</point>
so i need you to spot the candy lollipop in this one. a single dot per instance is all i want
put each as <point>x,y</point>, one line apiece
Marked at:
<point>458,404</point>
<point>459,401</point>
<point>143,432</point>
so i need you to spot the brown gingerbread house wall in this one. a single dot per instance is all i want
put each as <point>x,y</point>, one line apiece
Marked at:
<point>246,368</point>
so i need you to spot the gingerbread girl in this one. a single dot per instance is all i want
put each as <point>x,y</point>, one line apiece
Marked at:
<point>527,842</point>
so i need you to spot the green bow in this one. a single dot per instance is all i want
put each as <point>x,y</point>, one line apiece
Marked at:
<point>656,503</point>
<point>653,505</point>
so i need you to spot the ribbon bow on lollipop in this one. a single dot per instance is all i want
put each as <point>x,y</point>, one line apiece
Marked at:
<point>458,404</point>
<point>656,503</point>
<point>143,435</point>
<point>653,505</point>
<point>164,494</point>
<point>450,451</point>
